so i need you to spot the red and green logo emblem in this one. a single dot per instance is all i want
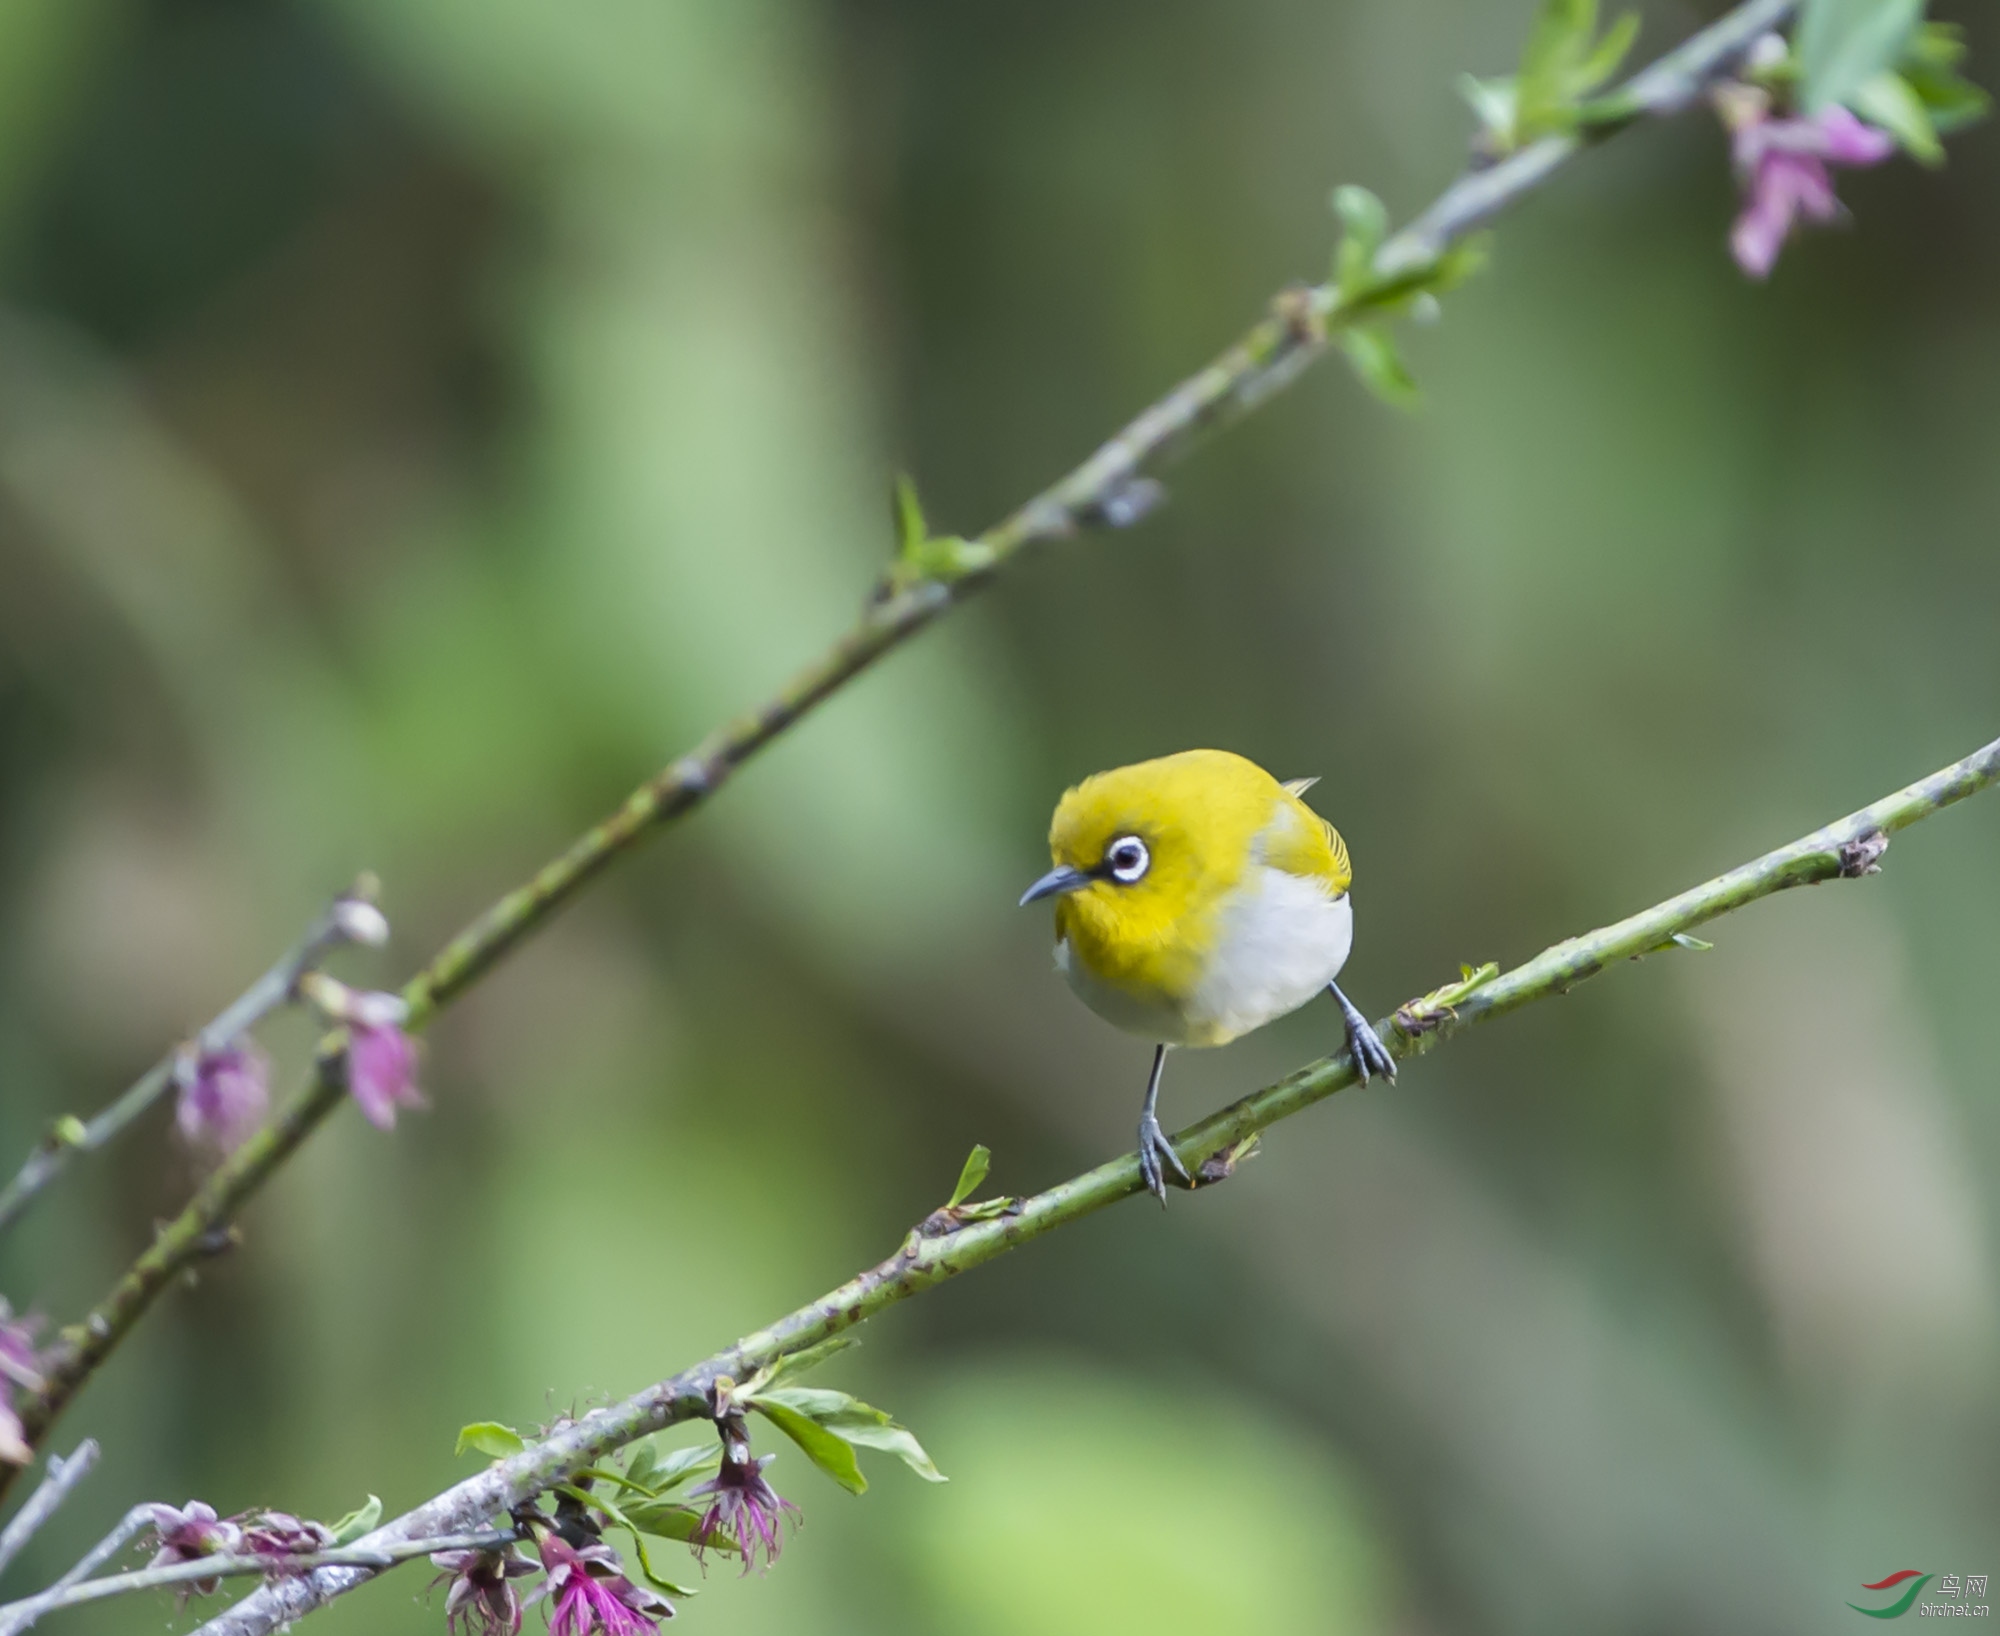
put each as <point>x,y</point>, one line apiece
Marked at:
<point>1902,1604</point>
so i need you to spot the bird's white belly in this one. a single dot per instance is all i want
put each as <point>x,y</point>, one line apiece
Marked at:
<point>1280,940</point>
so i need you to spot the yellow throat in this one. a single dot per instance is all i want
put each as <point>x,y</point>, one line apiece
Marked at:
<point>1238,914</point>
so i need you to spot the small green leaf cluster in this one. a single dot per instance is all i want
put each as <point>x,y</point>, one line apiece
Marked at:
<point>1564,64</point>
<point>957,1211</point>
<point>1421,1015</point>
<point>1884,61</point>
<point>1367,298</point>
<point>830,1426</point>
<point>924,558</point>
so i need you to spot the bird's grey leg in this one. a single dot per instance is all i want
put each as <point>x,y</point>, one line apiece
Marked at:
<point>1371,1056</point>
<point>1153,1143</point>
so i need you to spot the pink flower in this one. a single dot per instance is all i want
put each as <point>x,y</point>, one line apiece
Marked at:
<point>281,1535</point>
<point>190,1532</point>
<point>591,1595</point>
<point>381,1065</point>
<point>19,1361</point>
<point>481,1601</point>
<point>1782,163</point>
<point>744,1506</point>
<point>20,1366</point>
<point>223,1095</point>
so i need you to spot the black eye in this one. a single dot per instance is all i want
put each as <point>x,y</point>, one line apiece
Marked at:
<point>1127,859</point>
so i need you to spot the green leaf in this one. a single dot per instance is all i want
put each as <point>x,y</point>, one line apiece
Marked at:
<point>652,1474</point>
<point>1890,101</point>
<point>1564,61</point>
<point>911,530</point>
<point>1493,104</point>
<point>1930,65</point>
<point>977,1163</point>
<point>597,1502</point>
<point>811,1357</point>
<point>1375,359</point>
<point>1557,45</point>
<point>1365,217</point>
<point>1459,263</point>
<point>857,1422</point>
<point>653,1576</point>
<point>1843,44</point>
<point>490,1437</point>
<point>833,1454</point>
<point>1935,45</point>
<point>1603,60</point>
<point>623,1479</point>
<point>985,1209</point>
<point>679,1522</point>
<point>676,1466</point>
<point>1688,940</point>
<point>640,1463</point>
<point>897,1440</point>
<point>361,1520</point>
<point>1366,222</point>
<point>1409,287</point>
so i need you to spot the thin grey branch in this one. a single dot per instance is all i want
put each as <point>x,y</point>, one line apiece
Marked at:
<point>130,1526</point>
<point>61,1480</point>
<point>16,1617</point>
<point>69,1137</point>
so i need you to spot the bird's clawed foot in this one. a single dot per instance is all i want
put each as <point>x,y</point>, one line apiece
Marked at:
<point>1153,1148</point>
<point>1370,1055</point>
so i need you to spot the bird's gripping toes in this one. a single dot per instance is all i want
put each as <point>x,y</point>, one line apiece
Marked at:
<point>1198,898</point>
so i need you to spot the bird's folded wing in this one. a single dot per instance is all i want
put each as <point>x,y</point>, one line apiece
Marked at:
<point>1300,842</point>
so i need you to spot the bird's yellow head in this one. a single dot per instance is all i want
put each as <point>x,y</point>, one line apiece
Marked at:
<point>1145,857</point>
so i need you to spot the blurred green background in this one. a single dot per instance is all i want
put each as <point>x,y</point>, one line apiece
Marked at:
<point>419,418</point>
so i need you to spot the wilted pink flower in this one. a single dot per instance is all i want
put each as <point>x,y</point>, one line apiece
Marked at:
<point>223,1095</point>
<point>190,1532</point>
<point>592,1595</point>
<point>1782,163</point>
<point>382,1069</point>
<point>481,1602</point>
<point>20,1365</point>
<point>743,1504</point>
<point>280,1535</point>
<point>19,1361</point>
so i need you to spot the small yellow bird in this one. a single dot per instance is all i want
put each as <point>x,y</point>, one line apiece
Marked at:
<point>1199,898</point>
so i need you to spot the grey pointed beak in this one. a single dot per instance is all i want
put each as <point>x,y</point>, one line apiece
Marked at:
<point>1062,878</point>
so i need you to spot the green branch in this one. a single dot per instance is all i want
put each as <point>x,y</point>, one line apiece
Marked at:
<point>1104,489</point>
<point>1845,849</point>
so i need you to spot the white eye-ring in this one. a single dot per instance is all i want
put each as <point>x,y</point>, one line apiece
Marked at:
<point>1127,859</point>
